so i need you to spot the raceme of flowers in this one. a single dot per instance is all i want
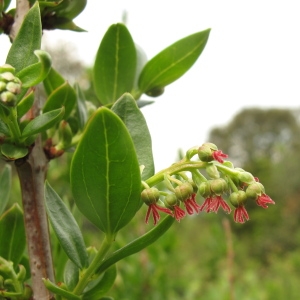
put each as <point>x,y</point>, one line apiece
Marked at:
<point>223,180</point>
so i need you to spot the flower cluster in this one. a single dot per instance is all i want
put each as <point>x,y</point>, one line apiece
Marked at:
<point>223,180</point>
<point>10,85</point>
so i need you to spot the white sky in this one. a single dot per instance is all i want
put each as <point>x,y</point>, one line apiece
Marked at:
<point>251,59</point>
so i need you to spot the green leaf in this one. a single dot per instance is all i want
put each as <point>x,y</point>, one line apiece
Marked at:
<point>71,275</point>
<point>138,244</point>
<point>82,113</point>
<point>12,234</point>
<point>28,39</point>
<point>115,64</point>
<point>105,175</point>
<point>62,96</point>
<point>36,73</point>
<point>65,228</point>
<point>103,286</point>
<point>43,122</point>
<point>25,104</point>
<point>13,152</point>
<point>4,129</point>
<point>172,62</point>
<point>59,291</point>
<point>5,186</point>
<point>135,122</point>
<point>53,81</point>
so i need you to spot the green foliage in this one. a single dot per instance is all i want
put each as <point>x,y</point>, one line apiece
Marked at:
<point>21,53</point>
<point>115,64</point>
<point>135,122</point>
<point>66,228</point>
<point>5,186</point>
<point>101,191</point>
<point>12,234</point>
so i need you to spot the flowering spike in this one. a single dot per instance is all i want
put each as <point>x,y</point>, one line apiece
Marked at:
<point>191,205</point>
<point>263,200</point>
<point>240,214</point>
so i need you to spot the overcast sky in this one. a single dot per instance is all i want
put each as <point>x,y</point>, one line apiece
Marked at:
<point>251,60</point>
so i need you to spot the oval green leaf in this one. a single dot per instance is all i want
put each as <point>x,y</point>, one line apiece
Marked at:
<point>25,104</point>
<point>5,186</point>
<point>43,122</point>
<point>126,108</point>
<point>115,64</point>
<point>53,81</point>
<point>172,62</point>
<point>62,96</point>
<point>105,175</point>
<point>12,234</point>
<point>36,73</point>
<point>13,152</point>
<point>28,39</point>
<point>65,228</point>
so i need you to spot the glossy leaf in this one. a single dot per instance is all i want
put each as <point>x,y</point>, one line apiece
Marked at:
<point>172,62</point>
<point>5,186</point>
<point>135,122</point>
<point>43,122</point>
<point>115,64</point>
<point>82,113</point>
<point>53,81</point>
<point>103,286</point>
<point>62,96</point>
<point>25,104</point>
<point>138,244</point>
<point>36,73</point>
<point>65,228</point>
<point>71,275</point>
<point>105,175</point>
<point>13,152</point>
<point>12,234</point>
<point>28,39</point>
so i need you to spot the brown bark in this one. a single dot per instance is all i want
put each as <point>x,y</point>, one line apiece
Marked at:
<point>32,172</point>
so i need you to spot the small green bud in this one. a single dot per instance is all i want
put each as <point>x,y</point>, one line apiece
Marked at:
<point>246,177</point>
<point>218,186</point>
<point>228,164</point>
<point>8,98</point>
<point>2,86</point>
<point>205,153</point>
<point>155,92</point>
<point>171,200</point>
<point>254,190</point>
<point>27,293</point>
<point>184,191</point>
<point>212,171</point>
<point>7,68</point>
<point>7,76</point>
<point>13,87</point>
<point>150,195</point>
<point>238,198</point>
<point>204,189</point>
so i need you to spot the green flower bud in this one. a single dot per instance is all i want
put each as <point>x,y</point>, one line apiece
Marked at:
<point>8,98</point>
<point>254,190</point>
<point>7,76</point>
<point>228,164</point>
<point>171,200</point>
<point>27,293</point>
<point>13,87</point>
<point>205,153</point>
<point>65,134</point>
<point>155,92</point>
<point>246,177</point>
<point>204,189</point>
<point>238,198</point>
<point>7,68</point>
<point>184,191</point>
<point>212,171</point>
<point>218,186</point>
<point>150,195</point>
<point>2,86</point>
